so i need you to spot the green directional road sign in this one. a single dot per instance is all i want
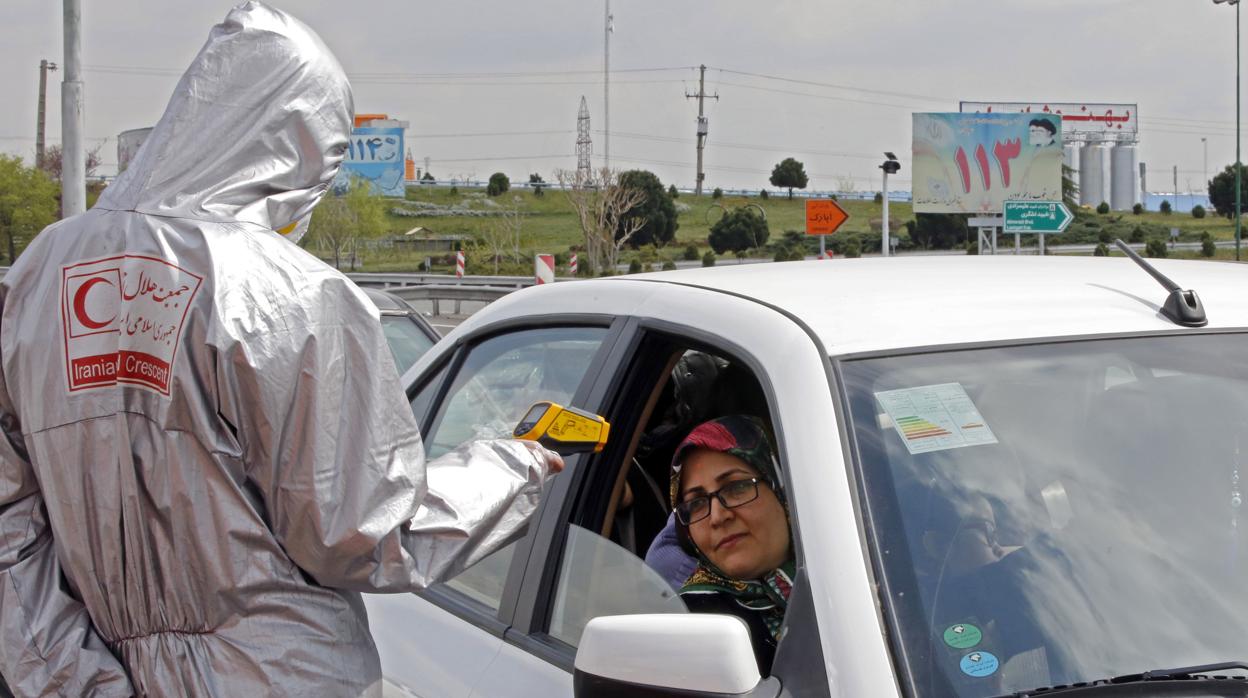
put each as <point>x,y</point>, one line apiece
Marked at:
<point>1036,216</point>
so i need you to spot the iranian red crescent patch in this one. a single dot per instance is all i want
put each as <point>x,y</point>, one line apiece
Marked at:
<point>122,319</point>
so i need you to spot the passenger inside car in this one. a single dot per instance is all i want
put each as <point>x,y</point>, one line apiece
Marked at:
<point>732,516</point>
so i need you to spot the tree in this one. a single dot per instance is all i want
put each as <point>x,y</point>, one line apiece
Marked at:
<point>536,180</point>
<point>1222,191</point>
<point>717,194</point>
<point>1137,209</point>
<point>1155,248</point>
<point>503,235</point>
<point>1165,208</point>
<point>1102,208</point>
<point>937,231</point>
<point>340,221</point>
<point>600,203</point>
<point>789,173</point>
<point>673,192</point>
<point>656,210</point>
<point>499,183</point>
<point>1070,190</point>
<point>1198,211</point>
<point>427,177</point>
<point>1101,250</point>
<point>29,201</point>
<point>52,158</point>
<point>739,230</point>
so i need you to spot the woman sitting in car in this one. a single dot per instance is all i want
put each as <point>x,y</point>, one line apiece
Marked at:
<point>731,514</point>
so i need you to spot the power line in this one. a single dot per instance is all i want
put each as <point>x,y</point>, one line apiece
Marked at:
<point>886,93</point>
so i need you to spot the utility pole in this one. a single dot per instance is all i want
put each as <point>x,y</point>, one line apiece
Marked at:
<point>608,27</point>
<point>701,95</point>
<point>73,158</point>
<point>44,67</point>
<point>1176,188</point>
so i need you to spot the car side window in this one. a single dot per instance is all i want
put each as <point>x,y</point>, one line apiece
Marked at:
<point>495,386</point>
<point>607,570</point>
<point>503,376</point>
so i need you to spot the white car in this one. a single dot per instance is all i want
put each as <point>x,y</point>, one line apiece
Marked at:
<point>1005,475</point>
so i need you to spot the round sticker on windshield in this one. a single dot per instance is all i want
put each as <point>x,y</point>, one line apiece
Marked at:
<point>979,664</point>
<point>962,636</point>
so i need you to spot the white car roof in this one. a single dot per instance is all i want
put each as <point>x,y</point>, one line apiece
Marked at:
<point>879,304</point>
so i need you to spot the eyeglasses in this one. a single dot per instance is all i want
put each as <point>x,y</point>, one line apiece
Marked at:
<point>731,496</point>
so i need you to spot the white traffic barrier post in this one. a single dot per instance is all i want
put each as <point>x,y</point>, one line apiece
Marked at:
<point>459,264</point>
<point>572,265</point>
<point>544,268</point>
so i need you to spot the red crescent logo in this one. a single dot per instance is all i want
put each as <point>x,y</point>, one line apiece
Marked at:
<point>80,304</point>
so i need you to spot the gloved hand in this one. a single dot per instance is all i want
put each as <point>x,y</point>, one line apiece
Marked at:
<point>551,460</point>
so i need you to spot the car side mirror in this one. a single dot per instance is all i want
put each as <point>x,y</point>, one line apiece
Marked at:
<point>652,655</point>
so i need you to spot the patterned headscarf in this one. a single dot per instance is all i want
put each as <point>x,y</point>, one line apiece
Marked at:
<point>745,438</point>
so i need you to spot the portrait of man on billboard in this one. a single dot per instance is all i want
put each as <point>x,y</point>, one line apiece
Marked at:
<point>1042,133</point>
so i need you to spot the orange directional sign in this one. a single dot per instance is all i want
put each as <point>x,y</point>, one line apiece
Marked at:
<point>824,216</point>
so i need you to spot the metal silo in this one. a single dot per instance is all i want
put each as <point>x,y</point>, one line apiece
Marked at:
<point>1070,158</point>
<point>128,143</point>
<point>1094,174</point>
<point>1123,191</point>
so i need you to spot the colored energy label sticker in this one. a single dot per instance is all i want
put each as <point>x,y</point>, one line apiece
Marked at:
<point>962,636</point>
<point>979,664</point>
<point>935,418</point>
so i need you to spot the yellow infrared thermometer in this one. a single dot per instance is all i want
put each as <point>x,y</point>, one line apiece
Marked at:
<point>564,430</point>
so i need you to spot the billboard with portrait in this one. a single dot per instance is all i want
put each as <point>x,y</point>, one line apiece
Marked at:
<point>974,163</point>
<point>374,154</point>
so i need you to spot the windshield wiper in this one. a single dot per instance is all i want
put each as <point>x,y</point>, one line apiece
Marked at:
<point>1186,673</point>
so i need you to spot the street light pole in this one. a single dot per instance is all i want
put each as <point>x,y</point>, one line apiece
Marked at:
<point>1238,164</point>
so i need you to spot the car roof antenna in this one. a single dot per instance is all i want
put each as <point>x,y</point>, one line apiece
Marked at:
<point>1181,307</point>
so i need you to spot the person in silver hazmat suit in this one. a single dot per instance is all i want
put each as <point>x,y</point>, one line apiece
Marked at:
<point>206,454</point>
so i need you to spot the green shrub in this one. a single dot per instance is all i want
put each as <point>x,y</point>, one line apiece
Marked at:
<point>1104,237</point>
<point>690,253</point>
<point>454,190</point>
<point>499,183</point>
<point>672,191</point>
<point>1137,234</point>
<point>1198,211</point>
<point>852,247</point>
<point>1101,251</point>
<point>708,259</point>
<point>1208,248</point>
<point>1103,208</point>
<point>1156,248</point>
<point>1137,209</point>
<point>1165,208</point>
<point>879,198</point>
<point>669,265</point>
<point>717,194</point>
<point>634,267</point>
<point>762,194</point>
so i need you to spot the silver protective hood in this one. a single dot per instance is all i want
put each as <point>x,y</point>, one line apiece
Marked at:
<point>205,452</point>
<point>255,131</point>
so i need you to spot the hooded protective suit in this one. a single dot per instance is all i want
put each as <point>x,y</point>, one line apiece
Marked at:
<point>205,452</point>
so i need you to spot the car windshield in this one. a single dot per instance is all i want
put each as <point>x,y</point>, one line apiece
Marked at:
<point>408,342</point>
<point>1056,513</point>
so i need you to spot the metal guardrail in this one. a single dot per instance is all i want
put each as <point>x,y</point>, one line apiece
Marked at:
<point>388,280</point>
<point>435,293</point>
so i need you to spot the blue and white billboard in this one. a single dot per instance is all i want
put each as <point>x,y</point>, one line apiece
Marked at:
<point>376,155</point>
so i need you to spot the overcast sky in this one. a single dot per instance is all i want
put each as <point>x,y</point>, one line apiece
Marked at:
<point>492,85</point>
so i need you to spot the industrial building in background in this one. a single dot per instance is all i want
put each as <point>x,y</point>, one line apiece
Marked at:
<point>1100,144</point>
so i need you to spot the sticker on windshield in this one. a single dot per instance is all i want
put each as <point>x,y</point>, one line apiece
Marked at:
<point>935,418</point>
<point>979,664</point>
<point>962,636</point>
